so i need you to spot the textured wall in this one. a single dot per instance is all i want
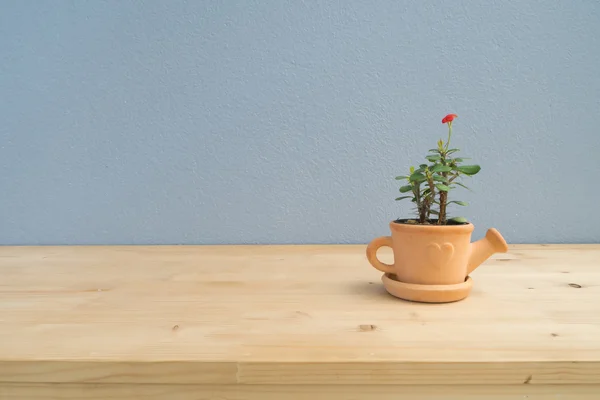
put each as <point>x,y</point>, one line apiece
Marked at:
<point>275,121</point>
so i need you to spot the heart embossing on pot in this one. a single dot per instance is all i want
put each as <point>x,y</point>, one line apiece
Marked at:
<point>440,255</point>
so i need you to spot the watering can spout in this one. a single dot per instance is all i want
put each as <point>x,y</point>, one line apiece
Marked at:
<point>481,250</point>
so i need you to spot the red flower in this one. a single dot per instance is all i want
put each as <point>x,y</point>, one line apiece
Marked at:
<point>449,118</point>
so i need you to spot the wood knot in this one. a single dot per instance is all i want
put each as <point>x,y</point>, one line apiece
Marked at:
<point>528,379</point>
<point>367,328</point>
<point>575,285</point>
<point>554,334</point>
<point>303,314</point>
<point>175,327</point>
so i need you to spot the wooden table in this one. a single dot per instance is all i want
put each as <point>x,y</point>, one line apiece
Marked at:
<point>291,322</point>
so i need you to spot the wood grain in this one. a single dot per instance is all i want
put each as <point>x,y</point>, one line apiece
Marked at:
<point>289,315</point>
<point>293,392</point>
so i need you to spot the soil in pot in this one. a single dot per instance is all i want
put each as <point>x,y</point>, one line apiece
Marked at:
<point>409,221</point>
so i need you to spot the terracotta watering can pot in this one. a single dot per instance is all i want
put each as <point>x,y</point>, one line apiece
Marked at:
<point>432,263</point>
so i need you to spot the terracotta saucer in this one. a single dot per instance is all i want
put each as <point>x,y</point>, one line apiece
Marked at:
<point>426,293</point>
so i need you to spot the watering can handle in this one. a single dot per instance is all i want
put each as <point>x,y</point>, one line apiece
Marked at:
<point>372,254</point>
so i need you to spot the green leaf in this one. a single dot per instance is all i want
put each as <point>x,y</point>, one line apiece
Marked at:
<point>460,184</point>
<point>469,169</point>
<point>421,168</point>
<point>433,150</point>
<point>441,168</point>
<point>434,212</point>
<point>403,197</point>
<point>406,188</point>
<point>401,177</point>
<point>452,151</point>
<point>433,158</point>
<point>412,169</point>
<point>459,219</point>
<point>442,187</point>
<point>417,177</point>
<point>440,178</point>
<point>460,159</point>
<point>460,203</point>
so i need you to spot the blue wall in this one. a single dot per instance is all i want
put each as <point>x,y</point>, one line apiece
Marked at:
<point>286,121</point>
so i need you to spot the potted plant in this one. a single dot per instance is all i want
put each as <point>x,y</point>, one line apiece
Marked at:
<point>433,253</point>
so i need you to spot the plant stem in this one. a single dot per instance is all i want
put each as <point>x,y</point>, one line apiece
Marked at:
<point>431,193</point>
<point>443,198</point>
<point>449,134</point>
<point>443,202</point>
<point>420,206</point>
<point>443,194</point>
